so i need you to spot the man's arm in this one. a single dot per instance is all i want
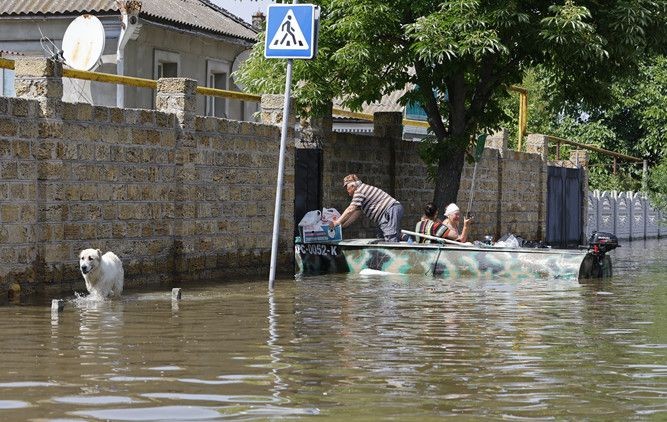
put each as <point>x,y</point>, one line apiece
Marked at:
<point>349,216</point>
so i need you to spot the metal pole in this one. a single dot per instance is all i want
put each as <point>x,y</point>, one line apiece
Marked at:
<point>281,168</point>
<point>472,190</point>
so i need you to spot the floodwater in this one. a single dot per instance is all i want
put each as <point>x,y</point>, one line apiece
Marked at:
<point>350,347</point>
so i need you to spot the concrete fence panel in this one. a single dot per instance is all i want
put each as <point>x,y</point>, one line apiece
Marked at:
<point>629,215</point>
<point>623,216</point>
<point>593,211</point>
<point>638,222</point>
<point>607,212</point>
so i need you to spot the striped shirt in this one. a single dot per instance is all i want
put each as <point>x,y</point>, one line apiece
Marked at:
<point>372,201</point>
<point>431,228</point>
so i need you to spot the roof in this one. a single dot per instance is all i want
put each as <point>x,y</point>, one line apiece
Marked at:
<point>198,14</point>
<point>387,103</point>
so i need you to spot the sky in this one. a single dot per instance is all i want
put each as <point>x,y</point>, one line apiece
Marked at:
<point>243,8</point>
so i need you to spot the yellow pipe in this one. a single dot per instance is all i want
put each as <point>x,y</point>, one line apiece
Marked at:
<point>518,89</point>
<point>353,114</point>
<point>523,116</point>
<point>229,94</point>
<point>110,78</point>
<point>421,123</point>
<point>593,148</point>
<point>6,63</point>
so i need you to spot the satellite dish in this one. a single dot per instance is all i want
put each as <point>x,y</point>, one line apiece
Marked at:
<point>242,56</point>
<point>83,42</point>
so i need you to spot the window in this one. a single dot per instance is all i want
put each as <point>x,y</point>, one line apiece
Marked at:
<point>218,77</point>
<point>166,64</point>
<point>167,70</point>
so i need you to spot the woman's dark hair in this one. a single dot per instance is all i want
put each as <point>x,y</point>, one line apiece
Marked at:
<point>431,210</point>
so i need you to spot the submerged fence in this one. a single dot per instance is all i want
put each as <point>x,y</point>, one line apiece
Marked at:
<point>629,215</point>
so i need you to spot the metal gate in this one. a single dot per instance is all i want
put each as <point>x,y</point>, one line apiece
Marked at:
<point>307,183</point>
<point>564,202</point>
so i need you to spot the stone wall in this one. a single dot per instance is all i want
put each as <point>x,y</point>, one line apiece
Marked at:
<point>509,194</point>
<point>178,197</point>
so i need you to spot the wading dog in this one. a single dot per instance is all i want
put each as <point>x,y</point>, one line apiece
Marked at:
<point>103,273</point>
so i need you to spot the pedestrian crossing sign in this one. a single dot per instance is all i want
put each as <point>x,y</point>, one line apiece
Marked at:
<point>291,31</point>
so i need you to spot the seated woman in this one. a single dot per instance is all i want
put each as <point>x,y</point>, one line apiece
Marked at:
<point>452,220</point>
<point>429,224</point>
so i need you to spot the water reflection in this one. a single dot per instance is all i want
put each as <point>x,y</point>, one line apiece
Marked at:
<point>346,346</point>
<point>275,350</point>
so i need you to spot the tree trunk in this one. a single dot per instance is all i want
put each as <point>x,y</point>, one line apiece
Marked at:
<point>448,179</point>
<point>450,162</point>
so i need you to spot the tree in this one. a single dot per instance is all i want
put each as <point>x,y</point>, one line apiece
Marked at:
<point>631,122</point>
<point>460,55</point>
<point>657,186</point>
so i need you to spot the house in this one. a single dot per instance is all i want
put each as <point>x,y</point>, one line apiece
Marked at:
<point>388,103</point>
<point>145,39</point>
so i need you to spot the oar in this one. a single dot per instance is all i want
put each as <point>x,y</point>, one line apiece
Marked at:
<point>438,239</point>
<point>479,150</point>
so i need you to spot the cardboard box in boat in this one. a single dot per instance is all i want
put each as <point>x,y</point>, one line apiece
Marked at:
<point>314,226</point>
<point>320,233</point>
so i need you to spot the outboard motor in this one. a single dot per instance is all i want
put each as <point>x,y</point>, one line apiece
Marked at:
<point>602,242</point>
<point>597,264</point>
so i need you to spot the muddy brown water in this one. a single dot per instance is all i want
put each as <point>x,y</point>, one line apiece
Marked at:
<point>349,347</point>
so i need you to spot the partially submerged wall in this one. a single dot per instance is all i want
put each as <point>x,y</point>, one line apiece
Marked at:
<point>177,196</point>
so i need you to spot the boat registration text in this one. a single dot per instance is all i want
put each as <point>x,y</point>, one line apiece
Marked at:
<point>316,249</point>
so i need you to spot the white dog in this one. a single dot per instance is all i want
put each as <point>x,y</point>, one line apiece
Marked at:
<point>103,273</point>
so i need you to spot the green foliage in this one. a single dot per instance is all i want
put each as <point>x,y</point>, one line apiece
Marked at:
<point>639,115</point>
<point>542,112</point>
<point>657,186</point>
<point>632,121</point>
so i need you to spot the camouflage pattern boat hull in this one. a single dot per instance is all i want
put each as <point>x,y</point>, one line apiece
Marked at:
<point>445,261</point>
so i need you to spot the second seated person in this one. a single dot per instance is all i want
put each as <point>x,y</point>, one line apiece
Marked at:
<point>430,224</point>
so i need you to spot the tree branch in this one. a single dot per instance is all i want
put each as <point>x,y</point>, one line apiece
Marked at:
<point>431,102</point>
<point>490,77</point>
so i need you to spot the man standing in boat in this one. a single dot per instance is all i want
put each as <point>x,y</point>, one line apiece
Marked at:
<point>376,204</point>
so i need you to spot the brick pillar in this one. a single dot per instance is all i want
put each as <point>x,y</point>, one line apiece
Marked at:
<point>498,141</point>
<point>178,96</point>
<point>388,124</point>
<point>315,130</point>
<point>40,79</point>
<point>538,144</point>
<point>272,106</point>
<point>579,157</point>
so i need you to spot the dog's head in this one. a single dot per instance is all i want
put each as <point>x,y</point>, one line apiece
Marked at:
<point>89,260</point>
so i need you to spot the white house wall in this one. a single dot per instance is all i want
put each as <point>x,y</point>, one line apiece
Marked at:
<point>23,35</point>
<point>193,51</point>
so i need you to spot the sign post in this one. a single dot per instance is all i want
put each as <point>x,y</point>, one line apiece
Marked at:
<point>290,34</point>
